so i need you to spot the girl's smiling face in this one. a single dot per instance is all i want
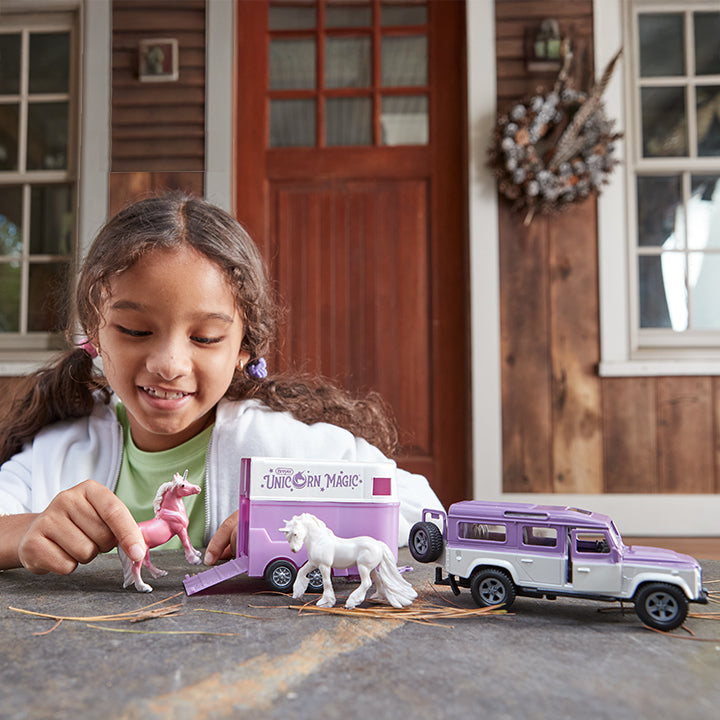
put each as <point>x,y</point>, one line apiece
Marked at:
<point>170,343</point>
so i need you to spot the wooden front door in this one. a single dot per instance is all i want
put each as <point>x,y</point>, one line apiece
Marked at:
<point>351,175</point>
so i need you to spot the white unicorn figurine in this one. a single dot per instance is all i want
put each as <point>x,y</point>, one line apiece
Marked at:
<point>373,558</point>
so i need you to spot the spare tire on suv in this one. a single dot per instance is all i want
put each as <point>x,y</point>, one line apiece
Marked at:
<point>425,542</point>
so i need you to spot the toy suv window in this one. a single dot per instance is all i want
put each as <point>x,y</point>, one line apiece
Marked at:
<point>591,542</point>
<point>543,536</point>
<point>482,531</point>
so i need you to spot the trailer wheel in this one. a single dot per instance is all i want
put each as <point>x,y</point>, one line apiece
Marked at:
<point>315,581</point>
<point>661,606</point>
<point>425,542</point>
<point>280,575</point>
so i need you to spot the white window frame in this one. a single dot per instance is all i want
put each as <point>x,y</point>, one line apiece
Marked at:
<point>624,350</point>
<point>634,514</point>
<point>90,162</point>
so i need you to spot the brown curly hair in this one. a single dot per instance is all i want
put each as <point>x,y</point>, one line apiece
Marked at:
<point>69,387</point>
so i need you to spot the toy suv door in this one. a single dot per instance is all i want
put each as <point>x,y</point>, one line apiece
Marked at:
<point>542,555</point>
<point>595,562</point>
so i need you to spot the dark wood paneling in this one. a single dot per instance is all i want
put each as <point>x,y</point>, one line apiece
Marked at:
<point>158,126</point>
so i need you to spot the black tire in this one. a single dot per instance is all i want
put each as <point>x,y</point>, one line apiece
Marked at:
<point>315,581</point>
<point>492,587</point>
<point>425,542</point>
<point>280,575</point>
<point>661,606</point>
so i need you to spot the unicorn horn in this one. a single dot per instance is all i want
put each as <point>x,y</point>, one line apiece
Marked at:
<point>185,475</point>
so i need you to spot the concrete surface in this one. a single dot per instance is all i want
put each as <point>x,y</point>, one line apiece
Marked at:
<point>548,659</point>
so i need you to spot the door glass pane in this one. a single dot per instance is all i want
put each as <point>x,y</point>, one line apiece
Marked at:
<point>47,296</point>
<point>347,62</point>
<point>292,64</point>
<point>707,52</point>
<point>9,118</point>
<point>9,63</point>
<point>349,121</point>
<point>662,47</point>
<point>664,122</point>
<point>47,136</point>
<point>404,61</point>
<point>51,220</point>
<point>49,63</point>
<point>403,12</point>
<point>658,201</point>
<point>704,282</point>
<point>292,17</point>
<point>404,120</point>
<point>708,119</point>
<point>11,220</point>
<point>292,123</point>
<point>661,281</point>
<point>339,14</point>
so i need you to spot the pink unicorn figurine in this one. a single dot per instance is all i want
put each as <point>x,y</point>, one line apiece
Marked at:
<point>170,519</point>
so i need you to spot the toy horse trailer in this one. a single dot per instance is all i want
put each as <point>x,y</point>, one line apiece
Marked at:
<point>351,498</point>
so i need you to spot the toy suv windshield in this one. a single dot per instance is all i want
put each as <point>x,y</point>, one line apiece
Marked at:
<point>501,550</point>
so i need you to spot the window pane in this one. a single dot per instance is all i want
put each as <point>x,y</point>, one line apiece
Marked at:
<point>707,51</point>
<point>10,277</point>
<point>658,200</point>
<point>662,48</point>
<point>662,281</point>
<point>47,296</point>
<point>403,13</point>
<point>9,64</point>
<point>704,282</point>
<point>349,121</point>
<point>292,123</point>
<point>704,212</point>
<point>404,120</point>
<point>9,118</point>
<point>49,63</point>
<point>708,120</point>
<point>342,14</point>
<point>292,64</point>
<point>11,220</point>
<point>51,220</point>
<point>404,61</point>
<point>664,122</point>
<point>292,17</point>
<point>348,62</point>
<point>47,136</point>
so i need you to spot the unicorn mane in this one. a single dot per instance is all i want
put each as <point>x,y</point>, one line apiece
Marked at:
<point>157,502</point>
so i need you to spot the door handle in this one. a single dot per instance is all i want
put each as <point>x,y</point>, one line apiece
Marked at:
<point>583,570</point>
<point>526,560</point>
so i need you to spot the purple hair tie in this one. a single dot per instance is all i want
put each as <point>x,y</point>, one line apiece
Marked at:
<point>257,369</point>
<point>89,348</point>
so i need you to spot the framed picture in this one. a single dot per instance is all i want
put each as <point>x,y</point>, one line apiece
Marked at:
<point>158,60</point>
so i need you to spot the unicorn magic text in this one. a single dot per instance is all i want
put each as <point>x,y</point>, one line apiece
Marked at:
<point>287,479</point>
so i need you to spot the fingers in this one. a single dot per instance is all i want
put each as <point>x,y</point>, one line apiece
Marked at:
<point>77,525</point>
<point>223,543</point>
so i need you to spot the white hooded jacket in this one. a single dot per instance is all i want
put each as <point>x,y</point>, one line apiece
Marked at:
<point>66,453</point>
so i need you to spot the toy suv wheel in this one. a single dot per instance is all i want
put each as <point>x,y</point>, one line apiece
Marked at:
<point>661,606</point>
<point>425,542</point>
<point>280,575</point>
<point>491,587</point>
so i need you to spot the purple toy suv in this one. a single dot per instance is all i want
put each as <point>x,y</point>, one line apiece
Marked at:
<point>500,550</point>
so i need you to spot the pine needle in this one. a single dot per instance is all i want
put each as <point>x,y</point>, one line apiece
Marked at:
<point>162,632</point>
<point>229,612</point>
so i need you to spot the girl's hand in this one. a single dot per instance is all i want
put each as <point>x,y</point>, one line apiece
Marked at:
<point>78,524</point>
<point>223,544</point>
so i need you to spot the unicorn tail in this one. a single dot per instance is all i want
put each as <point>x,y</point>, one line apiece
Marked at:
<point>398,591</point>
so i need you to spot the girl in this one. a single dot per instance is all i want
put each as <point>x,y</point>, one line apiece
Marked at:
<point>173,296</point>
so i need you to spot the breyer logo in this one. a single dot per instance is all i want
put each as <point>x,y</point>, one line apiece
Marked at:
<point>280,479</point>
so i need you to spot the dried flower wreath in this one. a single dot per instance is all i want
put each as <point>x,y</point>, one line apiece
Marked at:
<point>555,148</point>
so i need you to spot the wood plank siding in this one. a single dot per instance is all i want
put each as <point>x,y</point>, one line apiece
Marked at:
<point>565,429</point>
<point>158,126</point>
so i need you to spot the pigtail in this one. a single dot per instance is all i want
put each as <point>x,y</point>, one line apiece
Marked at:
<point>66,389</point>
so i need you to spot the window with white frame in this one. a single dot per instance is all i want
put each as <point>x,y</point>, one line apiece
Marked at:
<point>38,175</point>
<point>671,237</point>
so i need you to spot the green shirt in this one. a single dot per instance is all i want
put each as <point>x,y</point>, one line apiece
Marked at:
<point>142,473</point>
